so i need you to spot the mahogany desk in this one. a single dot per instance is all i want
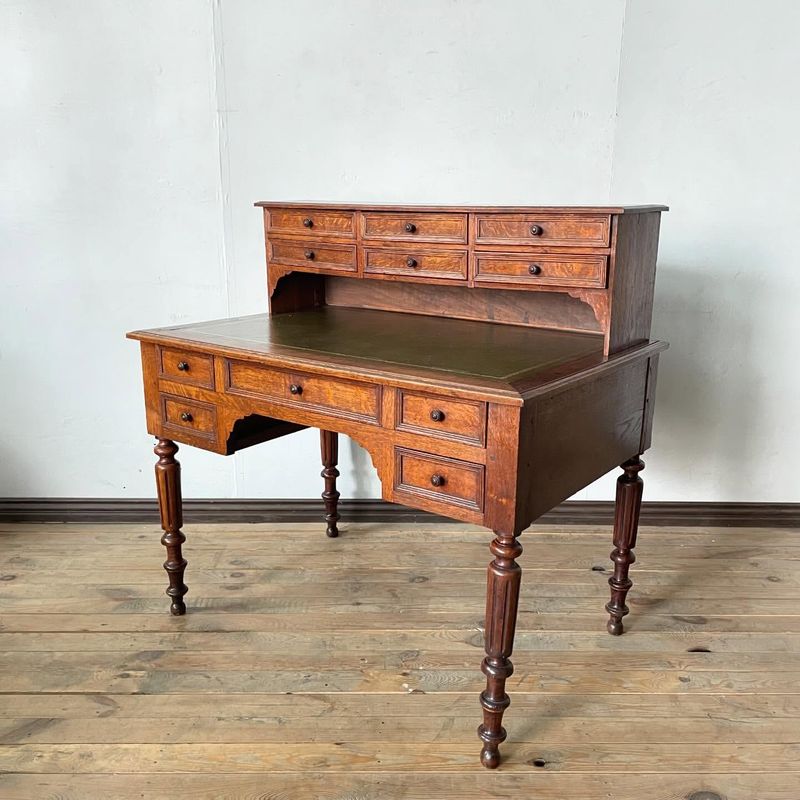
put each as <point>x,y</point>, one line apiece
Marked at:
<point>492,361</point>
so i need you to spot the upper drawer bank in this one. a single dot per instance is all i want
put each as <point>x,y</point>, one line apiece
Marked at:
<point>543,230</point>
<point>539,268</point>
<point>310,254</point>
<point>310,222</point>
<point>416,262</point>
<point>414,227</point>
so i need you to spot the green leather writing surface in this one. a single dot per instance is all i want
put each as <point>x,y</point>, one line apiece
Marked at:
<point>480,349</point>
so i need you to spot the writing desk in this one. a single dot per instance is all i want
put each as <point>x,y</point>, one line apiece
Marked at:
<point>492,361</point>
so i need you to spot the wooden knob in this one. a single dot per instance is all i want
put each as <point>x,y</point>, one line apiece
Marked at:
<point>437,415</point>
<point>183,366</point>
<point>309,254</point>
<point>308,222</point>
<point>296,388</point>
<point>411,227</point>
<point>411,262</point>
<point>437,480</point>
<point>186,416</point>
<point>536,230</point>
<point>534,269</point>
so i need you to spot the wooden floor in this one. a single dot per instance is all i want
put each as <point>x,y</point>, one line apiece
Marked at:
<point>349,669</point>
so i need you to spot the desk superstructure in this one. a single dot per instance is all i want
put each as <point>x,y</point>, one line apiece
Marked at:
<point>492,361</point>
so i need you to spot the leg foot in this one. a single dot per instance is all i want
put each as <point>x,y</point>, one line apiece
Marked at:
<point>329,445</point>
<point>614,627</point>
<point>502,594</point>
<point>168,482</point>
<point>626,525</point>
<point>490,758</point>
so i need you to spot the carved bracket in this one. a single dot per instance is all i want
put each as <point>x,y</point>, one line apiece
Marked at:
<point>597,301</point>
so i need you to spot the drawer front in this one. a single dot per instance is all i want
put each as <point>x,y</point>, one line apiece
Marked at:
<point>433,477</point>
<point>413,261</point>
<point>464,420</point>
<point>543,229</point>
<point>422,227</point>
<point>188,416</point>
<point>342,398</point>
<point>335,257</point>
<point>184,366</point>
<point>537,269</point>
<point>311,222</point>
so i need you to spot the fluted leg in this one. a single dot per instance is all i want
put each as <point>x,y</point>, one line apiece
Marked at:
<point>329,445</point>
<point>168,481</point>
<point>626,525</point>
<point>502,594</point>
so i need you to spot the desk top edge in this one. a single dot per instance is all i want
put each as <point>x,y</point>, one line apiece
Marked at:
<point>634,209</point>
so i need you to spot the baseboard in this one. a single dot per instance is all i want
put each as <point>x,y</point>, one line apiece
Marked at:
<point>771,515</point>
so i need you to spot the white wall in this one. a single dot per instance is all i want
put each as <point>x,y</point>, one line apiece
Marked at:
<point>110,215</point>
<point>137,136</point>
<point>708,122</point>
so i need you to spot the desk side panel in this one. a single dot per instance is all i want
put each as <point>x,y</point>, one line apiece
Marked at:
<point>150,385</point>
<point>632,280</point>
<point>649,403</point>
<point>577,434</point>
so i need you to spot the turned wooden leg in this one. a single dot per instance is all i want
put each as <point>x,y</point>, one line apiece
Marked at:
<point>329,445</point>
<point>168,481</point>
<point>502,593</point>
<point>626,525</point>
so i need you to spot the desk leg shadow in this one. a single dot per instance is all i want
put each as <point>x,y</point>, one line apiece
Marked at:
<point>170,503</point>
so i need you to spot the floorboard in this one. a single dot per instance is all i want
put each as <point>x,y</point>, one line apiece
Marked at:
<point>303,671</point>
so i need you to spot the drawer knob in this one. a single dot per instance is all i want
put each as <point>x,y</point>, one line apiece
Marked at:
<point>437,415</point>
<point>296,388</point>
<point>534,269</point>
<point>309,254</point>
<point>411,262</point>
<point>186,416</point>
<point>437,480</point>
<point>411,227</point>
<point>308,222</point>
<point>183,366</point>
<point>536,230</point>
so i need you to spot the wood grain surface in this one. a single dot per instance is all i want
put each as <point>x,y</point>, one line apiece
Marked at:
<point>305,671</point>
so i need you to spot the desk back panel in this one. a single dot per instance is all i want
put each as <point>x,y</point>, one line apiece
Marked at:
<point>554,310</point>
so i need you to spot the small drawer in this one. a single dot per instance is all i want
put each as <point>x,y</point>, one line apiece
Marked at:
<point>336,396</point>
<point>189,416</point>
<point>464,420</point>
<point>537,269</point>
<point>333,257</point>
<point>421,227</point>
<point>433,477</point>
<point>311,222</point>
<point>543,229</point>
<point>425,263</point>
<point>184,366</point>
